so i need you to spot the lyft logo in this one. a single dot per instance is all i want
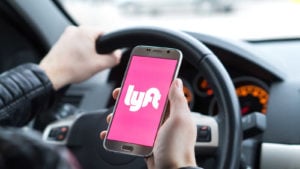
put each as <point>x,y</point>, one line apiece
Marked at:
<point>138,99</point>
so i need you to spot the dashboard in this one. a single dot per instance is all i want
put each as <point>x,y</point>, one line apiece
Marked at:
<point>252,93</point>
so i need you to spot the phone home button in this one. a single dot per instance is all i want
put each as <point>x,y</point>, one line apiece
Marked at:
<point>127,148</point>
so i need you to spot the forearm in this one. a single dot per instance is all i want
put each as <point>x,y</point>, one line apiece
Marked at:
<point>24,92</point>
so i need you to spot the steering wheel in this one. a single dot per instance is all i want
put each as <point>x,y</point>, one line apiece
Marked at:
<point>225,133</point>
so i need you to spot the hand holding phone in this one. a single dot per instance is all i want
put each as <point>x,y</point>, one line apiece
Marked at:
<point>141,104</point>
<point>175,142</point>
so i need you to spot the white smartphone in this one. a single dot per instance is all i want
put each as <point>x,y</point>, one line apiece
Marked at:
<point>142,101</point>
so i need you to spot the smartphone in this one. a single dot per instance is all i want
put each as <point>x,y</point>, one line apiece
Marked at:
<point>142,101</point>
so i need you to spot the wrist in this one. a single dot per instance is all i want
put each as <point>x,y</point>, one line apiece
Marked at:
<point>55,76</point>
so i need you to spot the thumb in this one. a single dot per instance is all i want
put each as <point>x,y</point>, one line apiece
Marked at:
<point>178,103</point>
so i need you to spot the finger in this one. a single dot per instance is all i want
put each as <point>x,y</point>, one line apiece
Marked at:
<point>108,60</point>
<point>103,134</point>
<point>176,97</point>
<point>108,118</point>
<point>115,93</point>
<point>150,161</point>
<point>116,56</point>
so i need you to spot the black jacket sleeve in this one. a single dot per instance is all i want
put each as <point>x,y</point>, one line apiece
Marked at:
<point>24,91</point>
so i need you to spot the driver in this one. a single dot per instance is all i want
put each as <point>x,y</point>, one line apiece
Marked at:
<point>29,89</point>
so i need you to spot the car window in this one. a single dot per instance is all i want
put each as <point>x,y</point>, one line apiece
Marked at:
<point>240,19</point>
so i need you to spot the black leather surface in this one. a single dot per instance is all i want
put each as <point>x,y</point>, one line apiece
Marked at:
<point>24,92</point>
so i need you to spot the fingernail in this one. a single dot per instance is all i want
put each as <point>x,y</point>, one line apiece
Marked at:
<point>178,83</point>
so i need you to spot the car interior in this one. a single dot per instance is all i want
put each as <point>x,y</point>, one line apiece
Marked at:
<point>246,91</point>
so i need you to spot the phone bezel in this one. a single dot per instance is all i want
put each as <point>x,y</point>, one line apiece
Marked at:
<point>143,51</point>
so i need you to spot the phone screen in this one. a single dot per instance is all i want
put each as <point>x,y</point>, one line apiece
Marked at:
<point>142,100</point>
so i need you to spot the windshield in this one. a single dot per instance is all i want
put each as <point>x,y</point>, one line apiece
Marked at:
<point>237,19</point>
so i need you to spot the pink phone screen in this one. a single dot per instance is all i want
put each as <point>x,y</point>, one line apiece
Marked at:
<point>142,100</point>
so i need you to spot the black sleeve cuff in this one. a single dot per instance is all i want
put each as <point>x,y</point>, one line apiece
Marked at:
<point>25,91</point>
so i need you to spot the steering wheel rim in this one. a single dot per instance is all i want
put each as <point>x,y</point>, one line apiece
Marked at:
<point>197,54</point>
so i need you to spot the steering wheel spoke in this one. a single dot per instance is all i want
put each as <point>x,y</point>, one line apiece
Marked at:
<point>207,134</point>
<point>58,132</point>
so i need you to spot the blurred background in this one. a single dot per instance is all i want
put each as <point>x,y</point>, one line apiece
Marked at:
<point>235,19</point>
